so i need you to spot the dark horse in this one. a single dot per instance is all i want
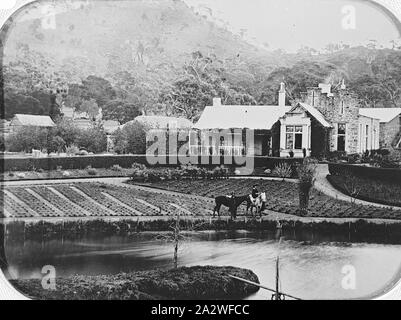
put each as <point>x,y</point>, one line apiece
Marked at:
<point>232,204</point>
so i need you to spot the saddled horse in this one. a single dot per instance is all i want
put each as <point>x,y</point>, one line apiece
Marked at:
<point>259,204</point>
<point>231,202</point>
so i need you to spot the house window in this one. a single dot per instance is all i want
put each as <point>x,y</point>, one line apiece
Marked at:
<point>342,107</point>
<point>367,137</point>
<point>341,133</point>
<point>294,137</point>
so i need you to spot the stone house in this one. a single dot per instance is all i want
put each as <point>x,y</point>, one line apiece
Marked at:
<point>322,121</point>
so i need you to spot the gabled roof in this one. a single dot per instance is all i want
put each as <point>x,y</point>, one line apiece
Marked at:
<point>314,113</point>
<point>383,114</point>
<point>161,122</point>
<point>240,117</point>
<point>33,120</point>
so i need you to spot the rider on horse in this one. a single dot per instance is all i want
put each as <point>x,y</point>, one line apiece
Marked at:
<point>255,194</point>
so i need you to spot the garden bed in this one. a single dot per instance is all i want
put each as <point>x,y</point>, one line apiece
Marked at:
<point>372,190</point>
<point>282,197</point>
<point>61,174</point>
<point>194,283</point>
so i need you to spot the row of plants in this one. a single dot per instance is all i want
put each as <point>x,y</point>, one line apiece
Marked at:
<point>374,173</point>
<point>143,174</point>
<point>381,158</point>
<point>283,196</point>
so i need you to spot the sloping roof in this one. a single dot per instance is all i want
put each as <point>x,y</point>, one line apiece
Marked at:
<point>233,117</point>
<point>33,120</point>
<point>161,122</point>
<point>383,114</point>
<point>315,113</point>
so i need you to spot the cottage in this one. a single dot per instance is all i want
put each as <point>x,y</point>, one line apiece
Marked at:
<point>28,120</point>
<point>322,121</point>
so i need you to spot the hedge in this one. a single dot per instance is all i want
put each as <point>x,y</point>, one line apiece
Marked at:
<point>124,161</point>
<point>383,174</point>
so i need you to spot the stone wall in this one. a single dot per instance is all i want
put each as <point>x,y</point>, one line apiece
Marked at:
<point>389,131</point>
<point>341,107</point>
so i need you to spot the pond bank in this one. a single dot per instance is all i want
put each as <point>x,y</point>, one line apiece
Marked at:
<point>194,283</point>
<point>388,231</point>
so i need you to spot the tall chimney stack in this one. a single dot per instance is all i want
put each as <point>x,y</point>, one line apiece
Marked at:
<point>281,95</point>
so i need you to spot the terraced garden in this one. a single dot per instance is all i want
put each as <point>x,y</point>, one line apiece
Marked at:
<point>281,196</point>
<point>89,199</point>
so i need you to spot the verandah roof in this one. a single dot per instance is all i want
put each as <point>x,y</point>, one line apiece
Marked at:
<point>240,117</point>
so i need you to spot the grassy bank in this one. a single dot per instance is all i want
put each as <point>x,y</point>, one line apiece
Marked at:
<point>384,192</point>
<point>183,283</point>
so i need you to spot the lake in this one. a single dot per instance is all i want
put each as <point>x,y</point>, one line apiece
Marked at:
<point>310,267</point>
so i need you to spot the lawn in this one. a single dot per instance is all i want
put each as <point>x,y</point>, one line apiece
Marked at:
<point>282,196</point>
<point>384,192</point>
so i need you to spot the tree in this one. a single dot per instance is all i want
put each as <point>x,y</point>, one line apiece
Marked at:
<point>92,140</point>
<point>121,111</point>
<point>306,174</point>
<point>98,89</point>
<point>27,138</point>
<point>130,139</point>
<point>67,131</point>
<point>56,144</point>
<point>15,103</point>
<point>91,108</point>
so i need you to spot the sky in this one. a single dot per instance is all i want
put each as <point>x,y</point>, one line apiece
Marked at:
<point>291,24</point>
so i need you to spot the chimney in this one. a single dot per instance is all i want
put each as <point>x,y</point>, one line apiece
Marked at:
<point>343,86</point>
<point>281,95</point>
<point>326,88</point>
<point>216,102</point>
<point>313,96</point>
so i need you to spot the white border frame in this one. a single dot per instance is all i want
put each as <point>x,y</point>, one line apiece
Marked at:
<point>8,292</point>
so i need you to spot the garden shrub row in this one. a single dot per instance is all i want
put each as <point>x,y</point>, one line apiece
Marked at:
<point>382,174</point>
<point>143,174</point>
<point>124,161</point>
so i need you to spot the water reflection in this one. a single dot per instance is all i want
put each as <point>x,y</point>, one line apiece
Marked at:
<point>309,269</point>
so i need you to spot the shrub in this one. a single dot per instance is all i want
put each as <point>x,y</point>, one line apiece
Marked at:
<point>91,171</point>
<point>92,140</point>
<point>116,167</point>
<point>283,170</point>
<point>306,175</point>
<point>72,150</point>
